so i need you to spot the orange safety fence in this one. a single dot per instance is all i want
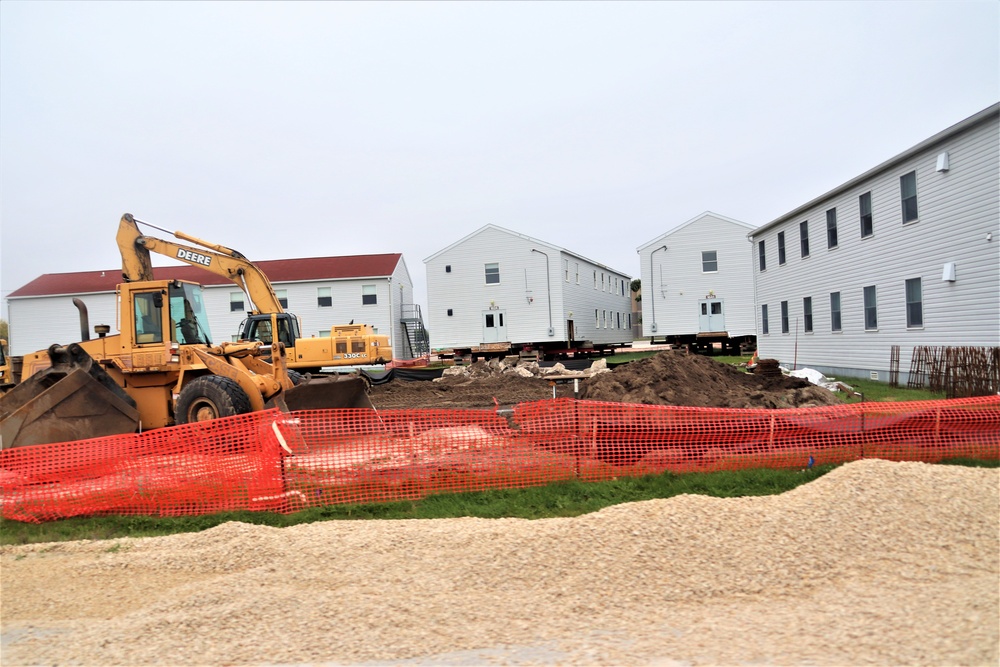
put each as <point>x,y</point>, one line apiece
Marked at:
<point>275,461</point>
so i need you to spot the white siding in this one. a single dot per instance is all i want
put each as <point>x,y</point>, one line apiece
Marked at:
<point>38,322</point>
<point>524,294</point>
<point>958,210</point>
<point>673,282</point>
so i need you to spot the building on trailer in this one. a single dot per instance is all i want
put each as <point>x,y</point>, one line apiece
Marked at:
<point>903,256</point>
<point>322,291</point>
<point>697,285</point>
<point>498,292</point>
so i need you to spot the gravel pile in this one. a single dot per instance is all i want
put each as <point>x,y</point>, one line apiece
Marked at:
<point>875,563</point>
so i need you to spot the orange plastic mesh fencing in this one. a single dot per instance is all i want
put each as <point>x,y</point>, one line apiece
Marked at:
<point>273,461</point>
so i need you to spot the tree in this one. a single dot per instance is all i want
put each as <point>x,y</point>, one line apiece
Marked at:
<point>4,330</point>
<point>636,287</point>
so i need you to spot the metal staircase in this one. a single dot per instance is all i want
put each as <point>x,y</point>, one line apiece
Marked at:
<point>417,341</point>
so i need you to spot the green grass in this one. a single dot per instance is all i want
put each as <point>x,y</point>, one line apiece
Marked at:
<point>563,499</point>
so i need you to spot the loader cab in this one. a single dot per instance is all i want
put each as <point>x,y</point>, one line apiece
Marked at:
<point>187,314</point>
<point>258,327</point>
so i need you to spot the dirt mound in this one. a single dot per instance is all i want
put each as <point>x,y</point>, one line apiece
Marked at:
<point>677,378</point>
<point>668,378</point>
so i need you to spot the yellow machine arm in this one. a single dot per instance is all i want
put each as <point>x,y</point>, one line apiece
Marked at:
<point>220,260</point>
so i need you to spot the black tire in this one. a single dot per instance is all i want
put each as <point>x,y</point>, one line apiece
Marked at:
<point>295,377</point>
<point>210,397</point>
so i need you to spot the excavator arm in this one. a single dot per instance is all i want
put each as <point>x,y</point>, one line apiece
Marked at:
<point>218,259</point>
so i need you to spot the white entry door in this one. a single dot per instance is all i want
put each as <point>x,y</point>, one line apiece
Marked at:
<point>712,316</point>
<point>494,329</point>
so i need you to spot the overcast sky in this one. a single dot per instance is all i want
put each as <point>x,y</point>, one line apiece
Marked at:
<point>337,128</point>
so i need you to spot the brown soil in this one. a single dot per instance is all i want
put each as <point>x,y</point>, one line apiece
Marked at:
<point>668,378</point>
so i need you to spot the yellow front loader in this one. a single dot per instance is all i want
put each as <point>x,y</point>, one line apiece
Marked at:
<point>160,369</point>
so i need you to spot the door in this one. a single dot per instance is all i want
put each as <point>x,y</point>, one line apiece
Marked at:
<point>711,315</point>
<point>494,329</point>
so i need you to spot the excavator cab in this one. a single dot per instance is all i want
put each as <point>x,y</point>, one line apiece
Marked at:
<point>258,327</point>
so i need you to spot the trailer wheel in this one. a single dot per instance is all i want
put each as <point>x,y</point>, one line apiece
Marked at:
<point>210,397</point>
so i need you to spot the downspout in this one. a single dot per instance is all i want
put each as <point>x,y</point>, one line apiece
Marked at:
<point>548,289</point>
<point>652,305</point>
<point>392,319</point>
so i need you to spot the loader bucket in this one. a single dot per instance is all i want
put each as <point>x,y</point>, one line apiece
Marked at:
<point>324,393</point>
<point>74,399</point>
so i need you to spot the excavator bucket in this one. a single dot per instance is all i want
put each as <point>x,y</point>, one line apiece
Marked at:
<point>73,399</point>
<point>324,393</point>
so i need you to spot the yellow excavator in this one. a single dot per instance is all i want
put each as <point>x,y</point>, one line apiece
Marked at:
<point>347,345</point>
<point>161,369</point>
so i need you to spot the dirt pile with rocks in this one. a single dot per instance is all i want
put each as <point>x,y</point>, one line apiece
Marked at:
<point>667,378</point>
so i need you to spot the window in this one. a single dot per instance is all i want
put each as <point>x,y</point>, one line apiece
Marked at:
<point>908,194</point>
<point>148,308</point>
<point>282,295</point>
<point>323,297</point>
<point>595,279</point>
<point>602,282</point>
<point>447,268</point>
<point>784,317</point>
<point>807,314</point>
<point>450,312</point>
<point>835,311</point>
<point>865,205</point>
<point>597,318</point>
<point>804,237</point>
<point>324,333</point>
<point>760,255</point>
<point>578,273</point>
<point>763,318</point>
<point>871,309</point>
<point>618,320</point>
<point>914,304</point>
<point>566,269</point>
<point>368,295</point>
<point>235,302</point>
<point>831,228</point>
<point>492,274</point>
<point>781,248</point>
<point>604,316</point>
<point>709,261</point>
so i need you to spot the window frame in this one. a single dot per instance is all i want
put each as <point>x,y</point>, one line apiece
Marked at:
<point>866,218</point>
<point>236,302</point>
<point>832,237</point>
<point>784,318</point>
<point>908,201</point>
<point>804,239</point>
<point>765,327</point>
<point>870,307</point>
<point>836,313</point>
<point>761,256</point>
<point>781,249</point>
<point>324,297</point>
<point>714,261</point>
<point>369,295</point>
<point>914,305</point>
<point>807,314</point>
<point>491,271</point>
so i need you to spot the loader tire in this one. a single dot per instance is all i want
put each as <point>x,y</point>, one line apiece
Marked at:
<point>295,377</point>
<point>210,397</point>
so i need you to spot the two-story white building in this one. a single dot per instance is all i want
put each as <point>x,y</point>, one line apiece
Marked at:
<point>697,284</point>
<point>907,254</point>
<point>321,291</point>
<point>497,291</point>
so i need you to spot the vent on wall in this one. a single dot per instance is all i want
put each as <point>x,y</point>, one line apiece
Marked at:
<point>943,162</point>
<point>873,375</point>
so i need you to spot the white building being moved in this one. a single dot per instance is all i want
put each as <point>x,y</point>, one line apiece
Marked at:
<point>905,255</point>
